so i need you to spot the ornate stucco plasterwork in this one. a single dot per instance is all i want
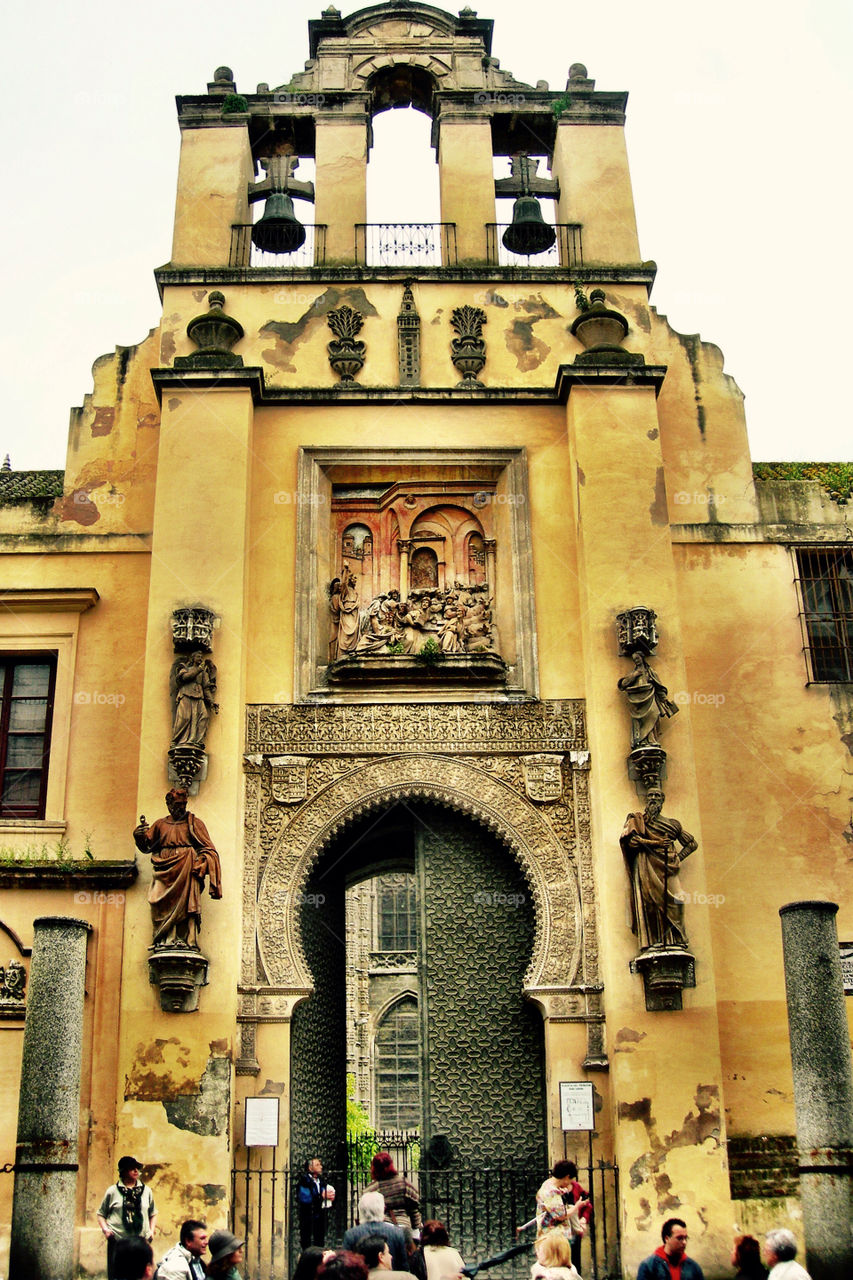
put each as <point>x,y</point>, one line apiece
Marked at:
<point>467,757</point>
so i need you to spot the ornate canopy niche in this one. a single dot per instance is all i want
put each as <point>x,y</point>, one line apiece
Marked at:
<point>519,770</point>
<point>387,519</point>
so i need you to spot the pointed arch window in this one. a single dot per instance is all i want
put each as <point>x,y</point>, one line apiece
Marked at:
<point>397,1067</point>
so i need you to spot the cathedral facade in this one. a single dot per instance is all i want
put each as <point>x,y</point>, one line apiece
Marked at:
<point>427,567</point>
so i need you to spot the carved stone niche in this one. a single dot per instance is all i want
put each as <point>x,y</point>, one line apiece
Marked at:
<point>666,971</point>
<point>179,972</point>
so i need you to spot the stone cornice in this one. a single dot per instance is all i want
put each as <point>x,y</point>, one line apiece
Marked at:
<point>788,534</point>
<point>608,375</point>
<point>68,875</point>
<point>49,599</point>
<point>640,273</point>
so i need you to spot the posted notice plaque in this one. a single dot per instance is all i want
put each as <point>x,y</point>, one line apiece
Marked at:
<point>261,1122</point>
<point>577,1109</point>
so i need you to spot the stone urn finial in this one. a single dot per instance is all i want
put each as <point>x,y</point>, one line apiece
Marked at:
<point>602,332</point>
<point>214,333</point>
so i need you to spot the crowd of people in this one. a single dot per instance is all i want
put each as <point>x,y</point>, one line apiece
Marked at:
<point>391,1242</point>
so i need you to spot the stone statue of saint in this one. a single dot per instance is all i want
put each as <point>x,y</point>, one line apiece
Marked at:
<point>194,690</point>
<point>647,701</point>
<point>182,857</point>
<point>652,860</point>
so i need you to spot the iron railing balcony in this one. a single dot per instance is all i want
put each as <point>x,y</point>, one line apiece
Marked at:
<point>245,254</point>
<point>566,251</point>
<point>405,244</point>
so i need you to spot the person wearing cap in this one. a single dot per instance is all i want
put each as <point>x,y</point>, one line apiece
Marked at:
<point>127,1209</point>
<point>226,1254</point>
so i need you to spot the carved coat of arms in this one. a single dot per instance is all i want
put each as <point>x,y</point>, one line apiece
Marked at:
<point>289,778</point>
<point>543,776</point>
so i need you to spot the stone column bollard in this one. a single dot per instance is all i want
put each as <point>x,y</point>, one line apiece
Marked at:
<point>42,1245</point>
<point>823,1084</point>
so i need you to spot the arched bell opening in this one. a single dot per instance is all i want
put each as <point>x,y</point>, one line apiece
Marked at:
<point>403,204</point>
<point>402,85</point>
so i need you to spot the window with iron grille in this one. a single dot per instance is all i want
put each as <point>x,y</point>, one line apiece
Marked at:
<point>825,579</point>
<point>27,683</point>
<point>397,1075</point>
<point>396,922</point>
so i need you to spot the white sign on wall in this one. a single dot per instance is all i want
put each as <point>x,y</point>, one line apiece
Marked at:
<point>577,1106</point>
<point>261,1122</point>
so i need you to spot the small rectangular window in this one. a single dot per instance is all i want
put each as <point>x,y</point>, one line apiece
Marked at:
<point>825,579</point>
<point>27,685</point>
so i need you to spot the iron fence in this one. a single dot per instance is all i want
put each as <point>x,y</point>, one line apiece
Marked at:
<point>405,244</point>
<point>481,1207</point>
<point>566,251</point>
<point>245,254</point>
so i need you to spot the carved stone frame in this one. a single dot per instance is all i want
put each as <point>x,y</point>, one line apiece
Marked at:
<point>466,758</point>
<point>312,570</point>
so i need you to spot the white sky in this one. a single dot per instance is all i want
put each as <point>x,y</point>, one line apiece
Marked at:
<point>737,121</point>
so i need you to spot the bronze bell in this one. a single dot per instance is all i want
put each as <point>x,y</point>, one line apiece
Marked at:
<point>278,230</point>
<point>529,233</point>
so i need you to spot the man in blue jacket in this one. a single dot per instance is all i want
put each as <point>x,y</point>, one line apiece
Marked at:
<point>670,1261</point>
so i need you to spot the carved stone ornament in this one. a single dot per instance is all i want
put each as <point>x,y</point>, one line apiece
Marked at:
<point>214,333</point>
<point>409,339</point>
<point>289,778</point>
<point>666,971</point>
<point>193,629</point>
<point>468,350</point>
<point>467,757</point>
<point>13,990</point>
<point>543,777</point>
<point>179,973</point>
<point>636,631</point>
<point>346,352</point>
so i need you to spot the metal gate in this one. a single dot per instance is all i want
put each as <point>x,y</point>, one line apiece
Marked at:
<point>480,1206</point>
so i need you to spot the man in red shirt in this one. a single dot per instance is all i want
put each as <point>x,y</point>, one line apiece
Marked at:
<point>670,1261</point>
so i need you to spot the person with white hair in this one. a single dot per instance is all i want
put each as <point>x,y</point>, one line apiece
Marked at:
<point>371,1222</point>
<point>780,1250</point>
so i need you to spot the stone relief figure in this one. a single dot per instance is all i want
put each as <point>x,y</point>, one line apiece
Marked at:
<point>194,690</point>
<point>647,701</point>
<point>652,860</point>
<point>458,620</point>
<point>182,857</point>
<point>347,613</point>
